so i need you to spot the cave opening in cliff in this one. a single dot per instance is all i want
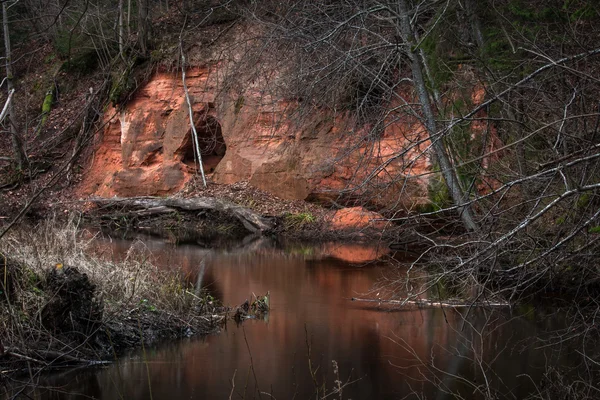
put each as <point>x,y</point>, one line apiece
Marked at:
<point>211,142</point>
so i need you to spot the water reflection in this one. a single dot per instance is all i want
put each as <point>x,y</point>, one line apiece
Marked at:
<point>311,312</point>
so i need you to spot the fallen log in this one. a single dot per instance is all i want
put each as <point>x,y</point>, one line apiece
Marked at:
<point>433,303</point>
<point>252,221</point>
<point>48,358</point>
<point>11,353</point>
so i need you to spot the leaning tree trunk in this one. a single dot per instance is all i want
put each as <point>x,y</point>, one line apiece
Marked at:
<point>89,116</point>
<point>195,143</point>
<point>447,169</point>
<point>17,142</point>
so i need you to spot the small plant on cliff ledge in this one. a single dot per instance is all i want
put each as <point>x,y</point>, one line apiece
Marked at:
<point>298,220</point>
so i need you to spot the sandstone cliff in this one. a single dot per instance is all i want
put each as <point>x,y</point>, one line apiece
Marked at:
<point>146,147</point>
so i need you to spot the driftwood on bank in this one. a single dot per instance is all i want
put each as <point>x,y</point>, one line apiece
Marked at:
<point>252,221</point>
<point>433,303</point>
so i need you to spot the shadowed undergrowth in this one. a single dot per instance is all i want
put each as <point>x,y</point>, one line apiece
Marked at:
<point>62,303</point>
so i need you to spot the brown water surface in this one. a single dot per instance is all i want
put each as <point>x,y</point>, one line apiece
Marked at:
<point>378,352</point>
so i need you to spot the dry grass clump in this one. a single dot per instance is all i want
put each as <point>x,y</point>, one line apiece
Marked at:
<point>118,283</point>
<point>132,300</point>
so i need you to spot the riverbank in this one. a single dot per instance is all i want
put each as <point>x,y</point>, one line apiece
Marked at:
<point>64,304</point>
<point>220,213</point>
<point>312,314</point>
<point>289,219</point>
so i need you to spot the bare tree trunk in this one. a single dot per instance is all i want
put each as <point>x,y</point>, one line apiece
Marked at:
<point>143,26</point>
<point>193,127</point>
<point>121,31</point>
<point>474,20</point>
<point>128,18</point>
<point>447,169</point>
<point>17,141</point>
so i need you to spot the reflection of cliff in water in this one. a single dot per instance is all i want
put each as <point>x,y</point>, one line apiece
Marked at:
<point>310,294</point>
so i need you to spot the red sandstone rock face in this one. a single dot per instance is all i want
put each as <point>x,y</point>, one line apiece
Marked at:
<point>356,219</point>
<point>146,147</point>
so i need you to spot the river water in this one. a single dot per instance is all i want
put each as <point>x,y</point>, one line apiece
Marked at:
<point>379,353</point>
